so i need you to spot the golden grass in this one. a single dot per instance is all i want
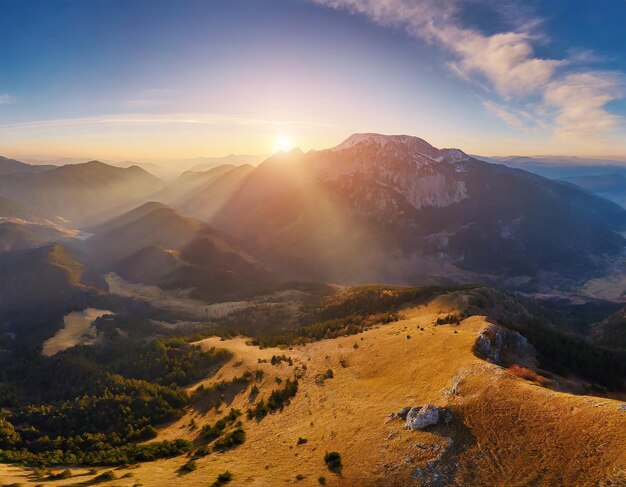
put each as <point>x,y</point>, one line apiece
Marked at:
<point>76,330</point>
<point>513,432</point>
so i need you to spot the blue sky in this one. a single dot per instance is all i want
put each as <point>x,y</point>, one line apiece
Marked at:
<point>148,79</point>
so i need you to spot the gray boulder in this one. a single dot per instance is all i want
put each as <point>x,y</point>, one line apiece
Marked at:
<point>421,417</point>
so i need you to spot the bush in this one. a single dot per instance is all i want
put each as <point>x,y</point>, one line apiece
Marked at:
<point>188,467</point>
<point>104,477</point>
<point>65,474</point>
<point>210,433</point>
<point>277,400</point>
<point>231,440</point>
<point>333,462</point>
<point>222,479</point>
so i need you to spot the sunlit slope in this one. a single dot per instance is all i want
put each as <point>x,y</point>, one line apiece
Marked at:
<point>382,208</point>
<point>505,431</point>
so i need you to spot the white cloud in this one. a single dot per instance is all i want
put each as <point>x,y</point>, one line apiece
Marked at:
<point>579,101</point>
<point>505,60</point>
<point>506,64</point>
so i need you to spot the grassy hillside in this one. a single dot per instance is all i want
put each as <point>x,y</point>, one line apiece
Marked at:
<point>505,430</point>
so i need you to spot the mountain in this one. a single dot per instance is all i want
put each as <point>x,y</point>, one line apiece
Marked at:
<point>81,193</point>
<point>12,209</point>
<point>611,332</point>
<point>610,186</point>
<point>21,235</point>
<point>36,284</point>
<point>206,199</point>
<point>206,163</point>
<point>397,209</point>
<point>154,244</point>
<point>188,183</point>
<point>561,167</point>
<point>11,166</point>
<point>170,169</point>
<point>150,224</point>
<point>23,227</point>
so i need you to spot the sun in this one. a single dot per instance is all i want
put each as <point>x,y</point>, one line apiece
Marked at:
<point>283,143</point>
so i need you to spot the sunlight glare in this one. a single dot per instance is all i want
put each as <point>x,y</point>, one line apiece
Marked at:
<point>283,143</point>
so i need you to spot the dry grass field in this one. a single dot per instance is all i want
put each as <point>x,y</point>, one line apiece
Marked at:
<point>76,330</point>
<point>506,431</point>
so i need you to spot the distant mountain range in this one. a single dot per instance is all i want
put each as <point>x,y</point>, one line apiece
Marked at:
<point>374,208</point>
<point>600,176</point>
<point>80,193</point>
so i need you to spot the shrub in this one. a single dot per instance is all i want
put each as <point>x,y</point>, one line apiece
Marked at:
<point>322,480</point>
<point>222,479</point>
<point>302,441</point>
<point>276,401</point>
<point>333,462</point>
<point>65,474</point>
<point>277,359</point>
<point>188,467</point>
<point>104,477</point>
<point>230,440</point>
<point>203,451</point>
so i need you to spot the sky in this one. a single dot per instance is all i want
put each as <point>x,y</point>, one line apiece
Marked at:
<point>156,79</point>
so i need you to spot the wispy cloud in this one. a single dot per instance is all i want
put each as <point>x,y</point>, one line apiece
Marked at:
<point>520,119</point>
<point>506,65</point>
<point>5,99</point>
<point>135,119</point>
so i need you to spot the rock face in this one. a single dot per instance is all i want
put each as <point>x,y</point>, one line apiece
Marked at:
<point>397,165</point>
<point>505,347</point>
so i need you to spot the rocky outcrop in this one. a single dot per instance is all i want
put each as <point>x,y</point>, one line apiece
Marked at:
<point>420,417</point>
<point>505,347</point>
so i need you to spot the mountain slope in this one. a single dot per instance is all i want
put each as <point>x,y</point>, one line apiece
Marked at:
<point>154,244</point>
<point>11,166</point>
<point>610,186</point>
<point>499,429</point>
<point>396,209</point>
<point>36,283</point>
<point>20,236</point>
<point>12,209</point>
<point>81,192</point>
